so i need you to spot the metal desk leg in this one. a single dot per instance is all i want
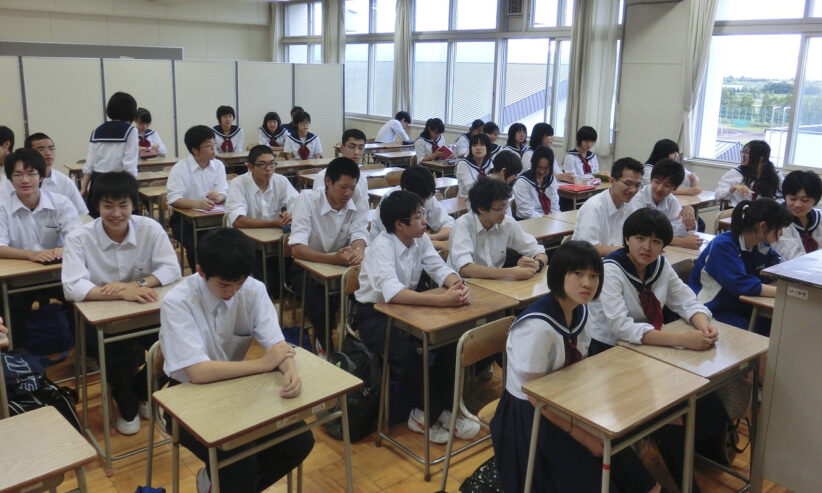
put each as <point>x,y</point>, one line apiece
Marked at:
<point>214,470</point>
<point>382,414</point>
<point>754,418</point>
<point>302,309</point>
<point>326,291</point>
<point>106,402</point>
<point>194,233</point>
<point>81,479</point>
<point>4,401</point>
<point>754,316</point>
<point>282,277</point>
<point>81,334</point>
<point>427,420</point>
<point>606,465</point>
<point>175,456</point>
<point>4,284</point>
<point>532,450</point>
<point>349,480</point>
<point>265,266</point>
<point>688,462</point>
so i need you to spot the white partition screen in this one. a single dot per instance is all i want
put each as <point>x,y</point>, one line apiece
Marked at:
<point>319,90</point>
<point>263,87</point>
<point>11,99</point>
<point>201,87</point>
<point>149,81</point>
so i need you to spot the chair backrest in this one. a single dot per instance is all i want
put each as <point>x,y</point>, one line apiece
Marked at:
<point>484,341</point>
<point>393,178</point>
<point>451,192</point>
<point>351,279</point>
<point>444,254</point>
<point>727,213</point>
<point>513,204</point>
<point>350,282</point>
<point>286,249</point>
<point>377,183</point>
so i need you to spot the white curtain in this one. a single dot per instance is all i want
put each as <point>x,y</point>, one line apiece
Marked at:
<point>593,65</point>
<point>700,30</point>
<point>276,29</point>
<point>402,58</point>
<point>333,31</point>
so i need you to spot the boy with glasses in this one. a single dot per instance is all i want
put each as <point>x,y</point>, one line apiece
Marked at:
<point>666,175</point>
<point>55,181</point>
<point>352,147</point>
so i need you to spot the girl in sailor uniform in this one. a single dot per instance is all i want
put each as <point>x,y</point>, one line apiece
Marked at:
<point>582,161</point>
<point>667,148</point>
<point>549,335</point>
<point>477,164</point>
<point>491,130</point>
<point>148,139</point>
<point>802,191</point>
<point>535,191</point>
<point>302,144</point>
<point>430,140</point>
<point>272,133</point>
<point>227,136</point>
<point>543,135</point>
<point>517,135</point>
<point>755,177</point>
<point>463,143</point>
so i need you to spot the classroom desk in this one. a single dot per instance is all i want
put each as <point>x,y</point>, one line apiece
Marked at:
<point>723,224</point>
<point>292,166</point>
<point>758,303</point>
<point>233,158</point>
<point>396,157</point>
<point>307,180</point>
<point>546,227</point>
<point>211,412</point>
<point>582,195</point>
<point>524,291</point>
<point>455,206</point>
<point>435,327</point>
<point>376,194</point>
<point>4,400</point>
<point>120,320</point>
<point>566,216</point>
<point>444,168</point>
<point>619,396</point>
<point>200,221</point>
<point>329,276</point>
<point>38,448</point>
<point>17,276</point>
<point>387,146</point>
<point>75,170</point>
<point>269,242</point>
<point>705,198</point>
<point>145,177</point>
<point>152,197</point>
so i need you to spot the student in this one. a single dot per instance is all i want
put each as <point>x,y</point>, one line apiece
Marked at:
<point>802,191</point>
<point>476,165</point>
<point>196,182</point>
<point>256,199</point>
<point>352,147</point>
<point>506,168</point>
<point>149,141</point>
<point>491,130</point>
<point>755,177</point>
<point>419,180</point>
<point>463,143</point>
<point>391,273</point>
<point>302,144</point>
<point>392,129</point>
<point>552,333</point>
<point>55,181</point>
<point>430,140</point>
<point>481,238</point>
<point>327,227</point>
<point>535,191</point>
<point>517,135</point>
<point>667,148</point>
<point>666,176</point>
<point>543,135</point>
<point>291,127</point>
<point>6,146</point>
<point>730,265</point>
<point>582,161</point>
<point>120,256</point>
<point>113,145</point>
<point>600,219</point>
<point>227,136</point>
<point>207,323</point>
<point>272,133</point>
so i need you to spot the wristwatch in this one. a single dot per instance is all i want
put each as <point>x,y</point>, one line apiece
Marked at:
<point>541,264</point>
<point>142,283</point>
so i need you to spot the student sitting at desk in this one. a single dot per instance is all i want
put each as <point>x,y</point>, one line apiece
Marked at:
<point>149,142</point>
<point>391,273</point>
<point>755,177</point>
<point>517,135</point>
<point>352,147</point>
<point>272,133</point>
<point>196,182</point>
<point>802,191</point>
<point>480,242</point>
<point>491,130</point>
<point>302,144</point>
<point>549,335</point>
<point>506,169</point>
<point>392,129</point>
<point>55,181</point>
<point>543,135</point>
<point>535,191</point>
<point>582,161</point>
<point>327,227</point>
<point>666,176</point>
<point>667,148</point>
<point>462,145</point>
<point>207,323</point>
<point>600,219</point>
<point>120,256</point>
<point>476,165</point>
<point>6,146</point>
<point>291,126</point>
<point>428,144</point>
<point>227,136</point>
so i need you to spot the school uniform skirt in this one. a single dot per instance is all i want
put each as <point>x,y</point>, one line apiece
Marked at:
<point>562,464</point>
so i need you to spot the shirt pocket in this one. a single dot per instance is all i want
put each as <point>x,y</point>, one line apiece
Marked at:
<point>242,331</point>
<point>49,236</point>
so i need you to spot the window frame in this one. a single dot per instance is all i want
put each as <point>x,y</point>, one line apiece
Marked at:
<point>311,41</point>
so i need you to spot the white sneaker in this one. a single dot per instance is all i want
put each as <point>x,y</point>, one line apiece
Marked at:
<point>128,427</point>
<point>203,483</point>
<point>465,428</point>
<point>436,433</point>
<point>144,411</point>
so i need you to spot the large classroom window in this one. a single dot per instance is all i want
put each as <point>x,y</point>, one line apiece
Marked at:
<point>369,56</point>
<point>303,31</point>
<point>763,82</point>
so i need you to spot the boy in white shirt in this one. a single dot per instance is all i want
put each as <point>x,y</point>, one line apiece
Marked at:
<point>196,182</point>
<point>55,181</point>
<point>119,256</point>
<point>352,147</point>
<point>666,176</point>
<point>207,323</point>
<point>395,128</point>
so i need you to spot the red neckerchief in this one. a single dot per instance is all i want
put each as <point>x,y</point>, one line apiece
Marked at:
<point>144,142</point>
<point>227,146</point>
<point>304,151</point>
<point>586,168</point>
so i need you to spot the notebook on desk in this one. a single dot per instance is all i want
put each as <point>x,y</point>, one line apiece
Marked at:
<point>576,188</point>
<point>217,209</point>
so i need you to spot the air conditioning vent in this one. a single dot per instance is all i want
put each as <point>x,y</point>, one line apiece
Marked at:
<point>514,7</point>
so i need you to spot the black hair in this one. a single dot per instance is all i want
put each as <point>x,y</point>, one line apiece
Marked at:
<point>295,110</point>
<point>418,179</point>
<point>352,133</point>
<point>648,222</point>
<point>28,143</point>
<point>480,138</point>
<point>669,169</point>
<point>540,131</point>
<point>399,205</point>
<point>31,160</point>
<point>758,151</point>
<point>196,135</point>
<point>512,132</point>
<point>226,253</point>
<point>767,181</point>
<point>143,115</point>
<point>485,192</point>
<point>476,125</point>
<point>121,106</point>
<point>302,116</point>
<point>118,185</point>
<point>225,110</point>
<point>342,166</point>
<point>508,161</point>
<point>272,115</point>
<point>257,151</point>
<point>808,181</point>
<point>586,133</point>
<point>572,256</point>
<point>662,149</point>
<point>490,128</point>
<point>6,135</point>
<point>624,163</point>
<point>543,152</point>
<point>748,213</point>
<point>403,115</point>
<point>434,124</point>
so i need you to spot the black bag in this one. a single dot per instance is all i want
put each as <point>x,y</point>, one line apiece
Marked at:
<point>484,480</point>
<point>363,403</point>
<point>47,330</point>
<point>723,446</point>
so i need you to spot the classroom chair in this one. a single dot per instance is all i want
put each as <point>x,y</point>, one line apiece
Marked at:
<point>475,345</point>
<point>377,183</point>
<point>350,283</point>
<point>726,213</point>
<point>393,178</point>
<point>451,192</point>
<point>513,205</point>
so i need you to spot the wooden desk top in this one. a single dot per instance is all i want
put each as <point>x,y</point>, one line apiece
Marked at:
<point>705,197</point>
<point>219,411</point>
<point>263,235</point>
<point>616,390</point>
<point>14,267</point>
<point>724,223</point>
<point>395,155</point>
<point>599,188</point>
<point>760,301</point>
<point>152,192</point>
<point>379,172</point>
<point>439,165</point>
<point>144,176</point>
<point>325,271</point>
<point>522,291</point>
<point>158,161</point>
<point>546,227</point>
<point>376,146</point>
<point>734,347</point>
<point>378,193</point>
<point>455,205</point>
<point>676,255</point>
<point>298,164</point>
<point>232,156</point>
<point>706,238</point>
<point>100,312</point>
<point>37,445</point>
<point>431,319</point>
<point>197,214</point>
<point>566,216</point>
<point>805,269</point>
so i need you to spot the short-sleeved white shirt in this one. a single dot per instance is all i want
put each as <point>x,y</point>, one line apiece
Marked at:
<point>599,222</point>
<point>63,185</point>
<point>246,199</point>
<point>316,224</point>
<point>188,180</point>
<point>436,217</point>
<point>471,243</point>
<point>43,228</point>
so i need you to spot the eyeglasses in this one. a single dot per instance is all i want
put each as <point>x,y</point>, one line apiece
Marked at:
<point>208,146</point>
<point>304,124</point>
<point>31,176</point>
<point>354,147</point>
<point>415,218</point>
<point>498,209</point>
<point>43,149</point>
<point>268,164</point>
<point>631,184</point>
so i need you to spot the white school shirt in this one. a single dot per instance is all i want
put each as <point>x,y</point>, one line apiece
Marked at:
<point>436,217</point>
<point>423,147</point>
<point>617,314</point>
<point>107,157</point>
<point>669,206</point>
<point>526,161</point>
<point>790,244</point>
<point>43,228</point>
<point>390,130</point>
<point>527,198</point>
<point>462,146</point>
<point>599,222</point>
<point>649,168</point>
<point>246,199</point>
<point>471,243</point>
<point>293,141</point>
<point>63,185</point>
<point>196,326</point>
<point>723,188</point>
<point>154,138</point>
<point>360,192</point>
<point>188,180</point>
<point>236,136</point>
<point>264,139</point>
<point>91,258</point>
<point>467,175</point>
<point>389,266</point>
<point>572,164</point>
<point>316,224</point>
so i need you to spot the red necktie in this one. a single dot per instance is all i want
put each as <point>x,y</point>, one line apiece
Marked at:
<point>434,147</point>
<point>227,146</point>
<point>272,141</point>
<point>808,243</point>
<point>651,307</point>
<point>544,201</point>
<point>303,152</point>
<point>572,354</point>
<point>144,142</point>
<point>586,168</point>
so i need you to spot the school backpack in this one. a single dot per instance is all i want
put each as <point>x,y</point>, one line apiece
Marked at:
<point>363,403</point>
<point>485,479</point>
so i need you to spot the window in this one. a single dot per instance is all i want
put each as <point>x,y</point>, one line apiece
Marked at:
<point>809,128</point>
<point>740,10</point>
<point>476,14</point>
<point>552,13</point>
<point>382,90</point>
<point>356,16</point>
<point>428,89</point>
<point>356,78</point>
<point>369,56</point>
<point>303,31</point>
<point>472,90</point>
<point>385,15</point>
<point>430,15</point>
<point>528,82</point>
